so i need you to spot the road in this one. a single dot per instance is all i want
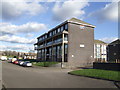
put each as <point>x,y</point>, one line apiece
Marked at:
<point>15,76</point>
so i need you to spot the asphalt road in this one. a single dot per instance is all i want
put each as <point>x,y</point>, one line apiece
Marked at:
<point>15,76</point>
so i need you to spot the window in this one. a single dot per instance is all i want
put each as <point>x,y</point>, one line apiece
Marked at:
<point>45,36</point>
<point>58,30</point>
<point>62,28</point>
<point>66,26</point>
<point>53,32</point>
<point>50,33</point>
<point>66,37</point>
<point>65,52</point>
<point>59,53</point>
<point>42,37</point>
<point>114,45</point>
<point>114,53</point>
<point>82,45</point>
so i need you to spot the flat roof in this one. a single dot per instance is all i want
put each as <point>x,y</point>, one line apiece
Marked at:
<point>72,20</point>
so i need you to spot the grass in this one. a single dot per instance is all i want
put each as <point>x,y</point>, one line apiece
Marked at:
<point>45,64</point>
<point>97,73</point>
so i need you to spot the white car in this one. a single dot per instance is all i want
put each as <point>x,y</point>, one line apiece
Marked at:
<point>14,59</point>
<point>27,64</point>
<point>21,63</point>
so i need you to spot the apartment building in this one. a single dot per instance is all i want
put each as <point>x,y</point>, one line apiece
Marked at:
<point>71,42</point>
<point>100,51</point>
<point>113,51</point>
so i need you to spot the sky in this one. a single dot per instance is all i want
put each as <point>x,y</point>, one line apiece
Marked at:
<point>22,22</point>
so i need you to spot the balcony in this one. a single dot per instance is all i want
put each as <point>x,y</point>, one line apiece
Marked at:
<point>39,47</point>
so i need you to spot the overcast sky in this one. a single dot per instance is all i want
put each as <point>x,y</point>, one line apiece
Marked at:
<point>22,22</point>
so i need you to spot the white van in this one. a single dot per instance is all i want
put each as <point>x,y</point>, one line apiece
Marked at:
<point>3,58</point>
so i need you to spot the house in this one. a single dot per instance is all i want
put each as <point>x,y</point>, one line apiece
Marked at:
<point>113,51</point>
<point>100,51</point>
<point>71,43</point>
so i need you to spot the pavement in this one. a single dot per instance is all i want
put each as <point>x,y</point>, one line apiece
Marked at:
<point>0,75</point>
<point>15,76</point>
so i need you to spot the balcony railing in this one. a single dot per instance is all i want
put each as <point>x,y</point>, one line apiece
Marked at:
<point>58,40</point>
<point>50,43</point>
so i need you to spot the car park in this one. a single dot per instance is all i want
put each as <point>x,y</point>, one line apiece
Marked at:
<point>27,64</point>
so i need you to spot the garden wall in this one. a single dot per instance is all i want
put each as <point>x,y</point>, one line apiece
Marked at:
<point>107,66</point>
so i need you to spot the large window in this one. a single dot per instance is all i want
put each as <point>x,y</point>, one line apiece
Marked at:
<point>54,53</point>
<point>59,53</point>
<point>65,52</point>
<point>39,54</point>
<point>50,53</point>
<point>43,54</point>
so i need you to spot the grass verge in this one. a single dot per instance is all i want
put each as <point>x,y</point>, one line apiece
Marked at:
<point>45,64</point>
<point>97,73</point>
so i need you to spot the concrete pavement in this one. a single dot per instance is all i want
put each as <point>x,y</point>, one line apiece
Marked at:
<point>15,76</point>
<point>0,75</point>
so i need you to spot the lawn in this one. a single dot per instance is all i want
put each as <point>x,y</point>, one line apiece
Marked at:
<point>97,73</point>
<point>45,64</point>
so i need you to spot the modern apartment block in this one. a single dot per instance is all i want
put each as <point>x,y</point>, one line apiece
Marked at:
<point>71,42</point>
<point>113,51</point>
<point>100,51</point>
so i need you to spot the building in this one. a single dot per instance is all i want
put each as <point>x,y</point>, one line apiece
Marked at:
<point>113,51</point>
<point>29,55</point>
<point>71,42</point>
<point>100,52</point>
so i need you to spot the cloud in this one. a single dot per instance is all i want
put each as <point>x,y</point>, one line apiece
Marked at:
<point>109,12</point>
<point>12,9</point>
<point>68,9</point>
<point>30,27</point>
<point>108,39</point>
<point>17,39</point>
<point>29,35</point>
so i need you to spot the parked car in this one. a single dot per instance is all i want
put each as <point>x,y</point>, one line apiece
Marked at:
<point>27,64</point>
<point>20,63</point>
<point>15,62</point>
<point>9,60</point>
<point>14,59</point>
